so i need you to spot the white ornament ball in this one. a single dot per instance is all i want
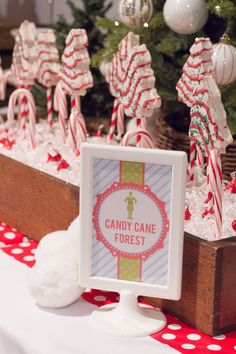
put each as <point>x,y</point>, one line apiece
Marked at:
<point>185,16</point>
<point>224,61</point>
<point>134,13</point>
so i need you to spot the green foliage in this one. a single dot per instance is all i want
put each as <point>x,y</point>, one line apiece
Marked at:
<point>170,50</point>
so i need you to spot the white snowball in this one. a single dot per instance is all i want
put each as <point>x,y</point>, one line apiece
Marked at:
<point>74,232</point>
<point>54,280</point>
<point>51,244</point>
<point>54,277</point>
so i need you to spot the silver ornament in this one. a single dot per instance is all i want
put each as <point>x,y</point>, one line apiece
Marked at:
<point>135,13</point>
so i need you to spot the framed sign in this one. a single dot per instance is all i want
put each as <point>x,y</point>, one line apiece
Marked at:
<point>132,215</point>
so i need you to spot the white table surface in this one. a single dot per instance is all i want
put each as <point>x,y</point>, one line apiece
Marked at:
<point>27,329</point>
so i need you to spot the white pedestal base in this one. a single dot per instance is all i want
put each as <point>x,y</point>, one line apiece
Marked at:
<point>128,318</point>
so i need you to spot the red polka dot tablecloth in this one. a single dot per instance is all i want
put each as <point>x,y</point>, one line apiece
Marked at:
<point>176,334</point>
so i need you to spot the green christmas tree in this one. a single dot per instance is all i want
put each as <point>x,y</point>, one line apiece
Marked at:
<point>169,52</point>
<point>97,101</point>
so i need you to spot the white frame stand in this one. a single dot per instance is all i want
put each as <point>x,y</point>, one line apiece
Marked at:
<point>127,318</point>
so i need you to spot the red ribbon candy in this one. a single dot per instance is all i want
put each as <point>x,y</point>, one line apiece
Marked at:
<point>231,186</point>
<point>54,158</point>
<point>187,214</point>
<point>8,144</point>
<point>63,165</point>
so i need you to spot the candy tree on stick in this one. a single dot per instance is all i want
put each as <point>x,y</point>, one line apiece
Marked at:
<point>208,133</point>
<point>132,83</point>
<point>48,66</point>
<point>76,78</point>
<point>24,62</point>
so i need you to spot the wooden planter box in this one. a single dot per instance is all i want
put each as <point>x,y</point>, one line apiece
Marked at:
<point>208,300</point>
<point>34,202</point>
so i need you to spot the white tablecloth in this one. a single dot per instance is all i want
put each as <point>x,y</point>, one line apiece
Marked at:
<point>27,329</point>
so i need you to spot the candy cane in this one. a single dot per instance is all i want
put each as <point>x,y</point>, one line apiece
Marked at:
<point>16,95</point>
<point>145,138</point>
<point>60,105</point>
<point>113,120</point>
<point>77,130</point>
<point>200,158</point>
<point>192,159</point>
<point>215,186</point>
<point>120,121</point>
<point>49,106</point>
<point>75,103</point>
<point>23,109</point>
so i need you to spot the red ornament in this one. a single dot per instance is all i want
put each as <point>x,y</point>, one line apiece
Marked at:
<point>187,214</point>
<point>62,165</point>
<point>234,224</point>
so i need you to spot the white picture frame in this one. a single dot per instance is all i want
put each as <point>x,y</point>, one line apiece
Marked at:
<point>93,159</point>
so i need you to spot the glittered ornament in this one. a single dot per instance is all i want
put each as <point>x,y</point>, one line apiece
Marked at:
<point>224,60</point>
<point>185,16</point>
<point>135,13</point>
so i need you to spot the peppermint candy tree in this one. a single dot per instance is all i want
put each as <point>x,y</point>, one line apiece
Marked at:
<point>75,74</point>
<point>208,132</point>
<point>75,79</point>
<point>132,83</point>
<point>24,62</point>
<point>48,69</point>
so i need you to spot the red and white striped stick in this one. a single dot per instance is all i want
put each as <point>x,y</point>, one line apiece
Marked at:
<point>16,95</point>
<point>200,158</point>
<point>23,109</point>
<point>77,130</point>
<point>120,121</point>
<point>113,120</point>
<point>192,159</point>
<point>215,186</point>
<point>75,103</point>
<point>60,105</point>
<point>49,106</point>
<point>145,140</point>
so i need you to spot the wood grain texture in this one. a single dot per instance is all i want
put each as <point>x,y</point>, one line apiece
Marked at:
<point>208,300</point>
<point>33,202</point>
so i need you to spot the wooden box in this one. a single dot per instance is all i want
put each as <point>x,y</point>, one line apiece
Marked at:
<point>208,300</point>
<point>34,202</point>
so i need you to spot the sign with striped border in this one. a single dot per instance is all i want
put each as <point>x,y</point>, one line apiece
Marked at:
<point>132,215</point>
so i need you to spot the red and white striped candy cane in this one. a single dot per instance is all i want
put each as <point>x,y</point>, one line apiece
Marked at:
<point>16,95</point>
<point>192,160</point>
<point>23,109</point>
<point>60,105</point>
<point>75,103</point>
<point>141,123</point>
<point>215,187</point>
<point>145,140</point>
<point>113,120</point>
<point>120,121</point>
<point>77,130</point>
<point>200,158</point>
<point>49,106</point>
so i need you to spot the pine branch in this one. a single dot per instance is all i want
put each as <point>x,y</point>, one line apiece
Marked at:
<point>222,8</point>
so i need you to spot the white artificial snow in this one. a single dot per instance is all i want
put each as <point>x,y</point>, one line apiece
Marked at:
<point>204,227</point>
<point>46,140</point>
